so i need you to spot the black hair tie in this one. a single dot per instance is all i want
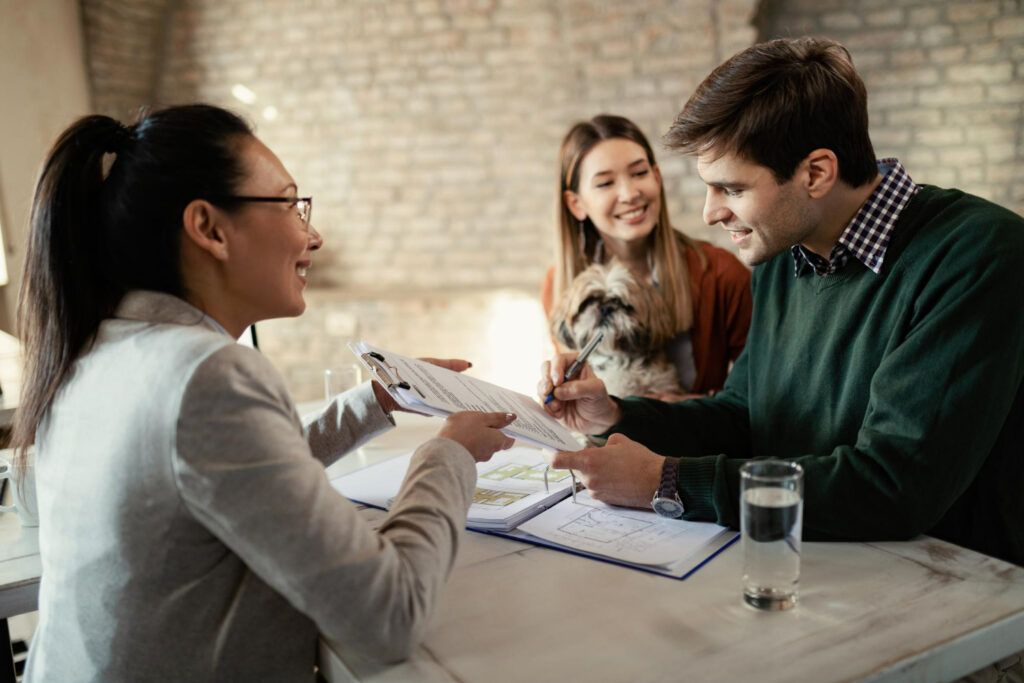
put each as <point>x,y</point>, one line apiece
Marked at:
<point>120,137</point>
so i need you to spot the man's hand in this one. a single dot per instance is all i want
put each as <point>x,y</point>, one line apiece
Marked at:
<point>478,432</point>
<point>583,403</point>
<point>674,398</point>
<point>622,472</point>
<point>389,405</point>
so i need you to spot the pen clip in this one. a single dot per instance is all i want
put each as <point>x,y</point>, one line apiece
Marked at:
<point>574,367</point>
<point>588,348</point>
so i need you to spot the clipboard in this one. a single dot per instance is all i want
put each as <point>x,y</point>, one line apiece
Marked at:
<point>422,387</point>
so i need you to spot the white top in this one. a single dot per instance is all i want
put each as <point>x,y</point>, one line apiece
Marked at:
<point>188,530</point>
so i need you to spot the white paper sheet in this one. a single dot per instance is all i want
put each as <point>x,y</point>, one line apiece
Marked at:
<point>639,537</point>
<point>510,487</point>
<point>438,391</point>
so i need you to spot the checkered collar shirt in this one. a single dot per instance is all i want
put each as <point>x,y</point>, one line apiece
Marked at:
<point>866,237</point>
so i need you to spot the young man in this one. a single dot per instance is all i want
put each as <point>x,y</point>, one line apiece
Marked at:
<point>886,349</point>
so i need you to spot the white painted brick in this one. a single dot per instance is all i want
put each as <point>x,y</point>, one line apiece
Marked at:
<point>922,16</point>
<point>1008,27</point>
<point>937,35</point>
<point>948,95</point>
<point>981,73</point>
<point>914,117</point>
<point>946,55</point>
<point>956,157</point>
<point>887,17</point>
<point>907,78</point>
<point>842,21</point>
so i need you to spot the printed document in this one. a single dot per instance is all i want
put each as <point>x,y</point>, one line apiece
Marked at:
<point>510,487</point>
<point>426,388</point>
<point>636,537</point>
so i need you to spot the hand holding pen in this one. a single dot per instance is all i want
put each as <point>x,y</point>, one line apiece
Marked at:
<point>584,406</point>
<point>570,374</point>
<point>577,364</point>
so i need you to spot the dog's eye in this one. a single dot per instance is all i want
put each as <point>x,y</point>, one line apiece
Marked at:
<point>616,302</point>
<point>589,301</point>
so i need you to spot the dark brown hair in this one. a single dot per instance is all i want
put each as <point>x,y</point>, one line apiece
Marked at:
<point>94,235</point>
<point>576,242</point>
<point>775,102</point>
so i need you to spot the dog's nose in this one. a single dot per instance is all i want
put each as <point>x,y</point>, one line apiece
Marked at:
<point>607,310</point>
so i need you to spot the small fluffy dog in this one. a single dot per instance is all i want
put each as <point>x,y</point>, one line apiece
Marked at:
<point>631,357</point>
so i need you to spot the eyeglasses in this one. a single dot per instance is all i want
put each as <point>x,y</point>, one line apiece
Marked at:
<point>303,205</point>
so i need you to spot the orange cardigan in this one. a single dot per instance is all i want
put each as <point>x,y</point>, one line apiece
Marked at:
<point>721,315</point>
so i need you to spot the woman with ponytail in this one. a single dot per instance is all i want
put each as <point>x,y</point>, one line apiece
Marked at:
<point>187,529</point>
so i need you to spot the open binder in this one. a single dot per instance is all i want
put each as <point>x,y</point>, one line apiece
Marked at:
<point>512,499</point>
<point>426,388</point>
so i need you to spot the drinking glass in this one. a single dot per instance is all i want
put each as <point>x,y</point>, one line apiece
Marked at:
<point>23,493</point>
<point>341,378</point>
<point>771,520</point>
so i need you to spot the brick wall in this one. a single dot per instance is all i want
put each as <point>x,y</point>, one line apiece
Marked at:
<point>124,52</point>
<point>428,130</point>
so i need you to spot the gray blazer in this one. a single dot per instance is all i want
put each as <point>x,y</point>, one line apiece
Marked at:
<point>188,531</point>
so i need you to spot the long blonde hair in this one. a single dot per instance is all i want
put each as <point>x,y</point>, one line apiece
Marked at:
<point>576,244</point>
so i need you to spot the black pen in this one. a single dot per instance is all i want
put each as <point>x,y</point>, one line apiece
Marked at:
<point>578,363</point>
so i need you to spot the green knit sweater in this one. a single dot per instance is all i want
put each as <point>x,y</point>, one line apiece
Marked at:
<point>900,393</point>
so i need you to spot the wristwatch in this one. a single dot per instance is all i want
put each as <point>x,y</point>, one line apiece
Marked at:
<point>666,501</point>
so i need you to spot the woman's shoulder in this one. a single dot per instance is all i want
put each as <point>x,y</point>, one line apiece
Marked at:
<point>548,280</point>
<point>547,290</point>
<point>236,368</point>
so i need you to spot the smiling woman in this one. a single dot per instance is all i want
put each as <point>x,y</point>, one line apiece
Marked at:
<point>193,507</point>
<point>611,206</point>
<point>260,240</point>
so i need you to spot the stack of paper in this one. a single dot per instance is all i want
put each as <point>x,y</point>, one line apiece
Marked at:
<point>510,487</point>
<point>426,388</point>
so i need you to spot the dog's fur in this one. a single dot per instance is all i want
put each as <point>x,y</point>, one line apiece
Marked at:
<point>631,357</point>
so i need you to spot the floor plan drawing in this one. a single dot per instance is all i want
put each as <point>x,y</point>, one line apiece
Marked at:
<point>524,472</point>
<point>604,526</point>
<point>497,498</point>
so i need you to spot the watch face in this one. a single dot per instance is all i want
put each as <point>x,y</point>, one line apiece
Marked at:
<point>666,507</point>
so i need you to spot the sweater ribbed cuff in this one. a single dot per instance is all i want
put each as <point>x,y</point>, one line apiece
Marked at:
<point>696,482</point>
<point>627,414</point>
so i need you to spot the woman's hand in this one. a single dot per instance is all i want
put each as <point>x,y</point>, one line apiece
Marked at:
<point>390,405</point>
<point>583,403</point>
<point>478,432</point>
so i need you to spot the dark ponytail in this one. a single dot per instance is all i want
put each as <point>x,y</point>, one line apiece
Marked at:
<point>107,218</point>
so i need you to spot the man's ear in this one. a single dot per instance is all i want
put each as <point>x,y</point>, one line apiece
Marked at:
<point>572,201</point>
<point>204,227</point>
<point>822,172</point>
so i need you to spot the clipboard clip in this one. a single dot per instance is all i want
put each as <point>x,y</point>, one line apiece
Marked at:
<point>385,372</point>
<point>576,486</point>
